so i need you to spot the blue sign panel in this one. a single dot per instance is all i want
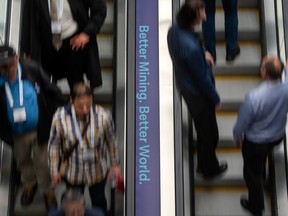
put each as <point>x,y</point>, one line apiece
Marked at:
<point>147,176</point>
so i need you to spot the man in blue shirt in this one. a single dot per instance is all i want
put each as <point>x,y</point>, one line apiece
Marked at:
<point>197,85</point>
<point>27,103</point>
<point>261,125</point>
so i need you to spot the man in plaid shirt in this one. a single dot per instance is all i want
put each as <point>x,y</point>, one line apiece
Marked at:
<point>87,162</point>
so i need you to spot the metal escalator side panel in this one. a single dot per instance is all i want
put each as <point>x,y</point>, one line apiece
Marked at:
<point>280,180</point>
<point>5,181</point>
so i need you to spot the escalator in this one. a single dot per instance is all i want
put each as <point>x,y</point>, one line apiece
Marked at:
<point>221,196</point>
<point>218,197</point>
<point>103,95</point>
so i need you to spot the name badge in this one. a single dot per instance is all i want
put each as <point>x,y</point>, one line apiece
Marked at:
<point>55,27</point>
<point>89,155</point>
<point>19,115</point>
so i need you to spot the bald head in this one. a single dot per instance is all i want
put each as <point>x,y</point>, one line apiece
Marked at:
<point>271,68</point>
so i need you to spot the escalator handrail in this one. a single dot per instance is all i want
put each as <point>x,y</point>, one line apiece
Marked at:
<point>275,202</point>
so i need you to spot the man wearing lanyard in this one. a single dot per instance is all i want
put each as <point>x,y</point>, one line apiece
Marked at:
<point>27,103</point>
<point>61,34</point>
<point>87,162</point>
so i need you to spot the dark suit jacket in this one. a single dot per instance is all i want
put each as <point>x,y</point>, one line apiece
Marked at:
<point>193,74</point>
<point>36,37</point>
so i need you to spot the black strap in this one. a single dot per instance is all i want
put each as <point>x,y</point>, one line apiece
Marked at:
<point>66,153</point>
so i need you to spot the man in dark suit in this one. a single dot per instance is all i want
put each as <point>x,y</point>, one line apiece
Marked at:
<point>61,35</point>
<point>196,81</point>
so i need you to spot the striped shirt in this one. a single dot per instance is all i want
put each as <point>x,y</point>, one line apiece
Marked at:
<point>63,131</point>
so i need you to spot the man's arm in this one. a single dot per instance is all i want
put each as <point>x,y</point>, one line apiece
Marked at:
<point>54,149</point>
<point>201,74</point>
<point>245,116</point>
<point>98,11</point>
<point>111,141</point>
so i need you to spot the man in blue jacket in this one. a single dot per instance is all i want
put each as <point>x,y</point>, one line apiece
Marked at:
<point>27,103</point>
<point>196,81</point>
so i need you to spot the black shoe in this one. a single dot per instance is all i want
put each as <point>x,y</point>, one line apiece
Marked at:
<point>50,201</point>
<point>28,195</point>
<point>245,204</point>
<point>221,169</point>
<point>230,56</point>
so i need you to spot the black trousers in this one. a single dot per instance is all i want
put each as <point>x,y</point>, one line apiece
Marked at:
<point>204,116</point>
<point>96,191</point>
<point>65,63</point>
<point>254,157</point>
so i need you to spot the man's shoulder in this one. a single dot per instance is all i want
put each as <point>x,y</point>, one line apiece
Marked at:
<point>61,112</point>
<point>183,41</point>
<point>184,35</point>
<point>29,64</point>
<point>100,110</point>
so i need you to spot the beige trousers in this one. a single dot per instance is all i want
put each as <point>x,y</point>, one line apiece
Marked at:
<point>32,160</point>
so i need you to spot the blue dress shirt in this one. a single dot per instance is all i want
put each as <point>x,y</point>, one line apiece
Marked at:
<point>262,117</point>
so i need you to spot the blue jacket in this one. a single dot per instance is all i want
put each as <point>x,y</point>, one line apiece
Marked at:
<point>49,98</point>
<point>193,73</point>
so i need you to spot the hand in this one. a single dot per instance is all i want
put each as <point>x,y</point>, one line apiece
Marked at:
<point>114,172</point>
<point>218,106</point>
<point>79,41</point>
<point>55,179</point>
<point>209,58</point>
<point>239,143</point>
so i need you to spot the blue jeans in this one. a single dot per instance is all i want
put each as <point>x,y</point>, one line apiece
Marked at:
<point>231,25</point>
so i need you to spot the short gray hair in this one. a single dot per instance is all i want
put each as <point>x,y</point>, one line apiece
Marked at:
<point>72,195</point>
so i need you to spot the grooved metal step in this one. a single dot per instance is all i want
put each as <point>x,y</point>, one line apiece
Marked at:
<point>105,45</point>
<point>248,25</point>
<point>221,196</point>
<point>217,202</point>
<point>233,89</point>
<point>242,3</point>
<point>247,63</point>
<point>102,94</point>
<point>232,177</point>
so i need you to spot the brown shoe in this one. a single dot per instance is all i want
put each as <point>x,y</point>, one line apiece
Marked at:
<point>50,200</point>
<point>28,195</point>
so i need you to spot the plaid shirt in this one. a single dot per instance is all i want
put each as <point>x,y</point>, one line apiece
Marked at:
<point>63,133</point>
